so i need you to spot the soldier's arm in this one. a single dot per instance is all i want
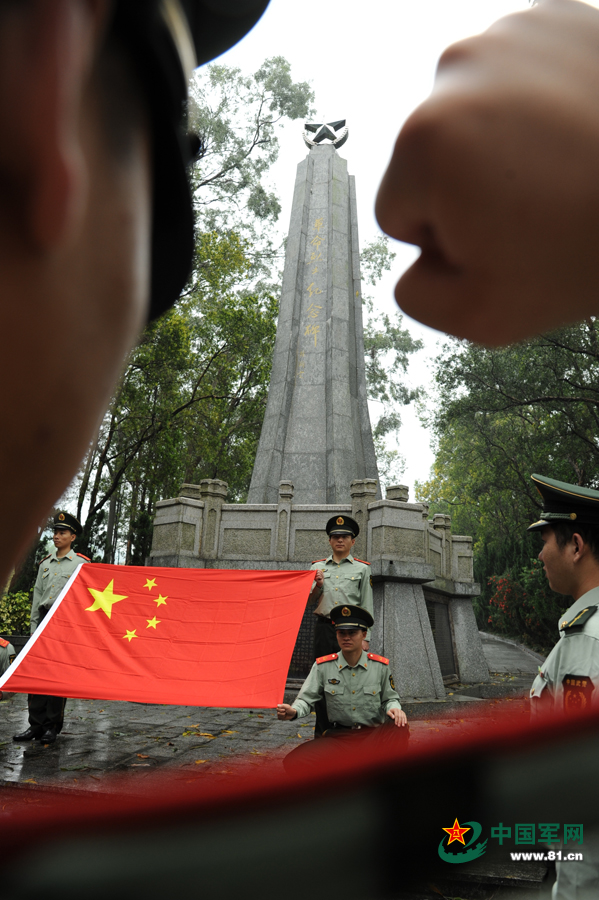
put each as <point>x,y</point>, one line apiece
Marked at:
<point>311,692</point>
<point>390,701</point>
<point>317,587</point>
<point>35,603</point>
<point>366,600</point>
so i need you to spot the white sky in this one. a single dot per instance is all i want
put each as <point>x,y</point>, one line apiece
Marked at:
<point>370,63</point>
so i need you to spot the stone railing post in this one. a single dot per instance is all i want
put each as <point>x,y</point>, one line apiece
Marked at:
<point>363,491</point>
<point>283,519</point>
<point>214,493</point>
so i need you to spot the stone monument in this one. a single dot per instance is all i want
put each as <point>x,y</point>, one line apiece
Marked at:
<point>316,457</point>
<point>316,430</point>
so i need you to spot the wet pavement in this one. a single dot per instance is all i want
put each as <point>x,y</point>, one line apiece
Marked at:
<point>102,739</point>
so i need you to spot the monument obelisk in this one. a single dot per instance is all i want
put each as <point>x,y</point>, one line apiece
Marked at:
<point>316,431</point>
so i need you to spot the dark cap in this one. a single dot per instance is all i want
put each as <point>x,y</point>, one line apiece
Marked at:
<point>66,520</point>
<point>563,502</point>
<point>166,40</point>
<point>342,524</point>
<point>351,617</point>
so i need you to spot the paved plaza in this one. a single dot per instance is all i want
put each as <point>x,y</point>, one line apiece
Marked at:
<point>102,739</point>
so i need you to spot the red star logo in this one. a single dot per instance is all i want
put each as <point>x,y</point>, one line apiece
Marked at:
<point>456,833</point>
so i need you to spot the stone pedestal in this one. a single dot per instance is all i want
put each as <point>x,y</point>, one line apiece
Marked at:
<point>422,574</point>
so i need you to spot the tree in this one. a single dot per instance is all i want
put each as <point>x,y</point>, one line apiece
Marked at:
<point>501,416</point>
<point>192,398</point>
<point>387,348</point>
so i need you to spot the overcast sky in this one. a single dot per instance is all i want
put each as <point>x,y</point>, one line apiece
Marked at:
<point>370,63</point>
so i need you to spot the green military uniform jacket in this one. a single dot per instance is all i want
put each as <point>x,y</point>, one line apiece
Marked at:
<point>570,674</point>
<point>7,655</point>
<point>346,583</point>
<point>355,695</point>
<point>52,575</point>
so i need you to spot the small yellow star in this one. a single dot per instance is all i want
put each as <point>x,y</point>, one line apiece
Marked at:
<point>152,623</point>
<point>150,583</point>
<point>161,601</point>
<point>130,635</point>
<point>105,599</point>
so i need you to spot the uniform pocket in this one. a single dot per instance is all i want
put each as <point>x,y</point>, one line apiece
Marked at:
<point>333,694</point>
<point>372,700</point>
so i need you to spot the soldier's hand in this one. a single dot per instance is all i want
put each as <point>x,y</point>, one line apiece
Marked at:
<point>285,712</point>
<point>495,177</point>
<point>399,717</point>
<point>319,577</point>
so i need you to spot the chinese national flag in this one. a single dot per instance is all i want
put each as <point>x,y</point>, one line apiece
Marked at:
<point>195,637</point>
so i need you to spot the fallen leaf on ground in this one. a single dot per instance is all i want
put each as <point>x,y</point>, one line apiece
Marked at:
<point>230,732</point>
<point>29,781</point>
<point>198,761</point>
<point>205,734</point>
<point>142,756</point>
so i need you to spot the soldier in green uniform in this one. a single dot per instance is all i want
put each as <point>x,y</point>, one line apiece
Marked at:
<point>46,713</point>
<point>568,680</point>
<point>357,688</point>
<point>340,580</point>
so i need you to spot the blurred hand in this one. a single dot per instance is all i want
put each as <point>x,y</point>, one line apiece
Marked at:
<point>495,177</point>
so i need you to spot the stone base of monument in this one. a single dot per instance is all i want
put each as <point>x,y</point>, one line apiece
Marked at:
<point>421,573</point>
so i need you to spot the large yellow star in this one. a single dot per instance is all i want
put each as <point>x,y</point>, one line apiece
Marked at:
<point>456,833</point>
<point>152,623</point>
<point>130,635</point>
<point>105,599</point>
<point>160,601</point>
<point>150,583</point>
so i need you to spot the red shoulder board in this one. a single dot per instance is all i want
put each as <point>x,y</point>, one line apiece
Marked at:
<point>378,658</point>
<point>362,561</point>
<point>314,561</point>
<point>84,557</point>
<point>4,643</point>
<point>45,558</point>
<point>328,658</point>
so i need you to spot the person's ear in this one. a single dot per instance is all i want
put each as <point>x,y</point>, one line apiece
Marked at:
<point>47,49</point>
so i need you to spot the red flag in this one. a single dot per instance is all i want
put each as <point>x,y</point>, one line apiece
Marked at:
<point>196,637</point>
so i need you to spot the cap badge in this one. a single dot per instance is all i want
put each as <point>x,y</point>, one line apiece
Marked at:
<point>345,611</point>
<point>340,520</point>
<point>61,517</point>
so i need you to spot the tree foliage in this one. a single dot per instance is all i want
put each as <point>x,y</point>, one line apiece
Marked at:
<point>501,416</point>
<point>387,347</point>
<point>191,400</point>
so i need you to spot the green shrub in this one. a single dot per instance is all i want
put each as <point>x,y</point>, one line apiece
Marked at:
<point>15,612</point>
<point>524,607</point>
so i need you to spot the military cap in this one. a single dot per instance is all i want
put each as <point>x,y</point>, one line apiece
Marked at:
<point>346,617</point>
<point>66,520</point>
<point>166,40</point>
<point>563,502</point>
<point>342,524</point>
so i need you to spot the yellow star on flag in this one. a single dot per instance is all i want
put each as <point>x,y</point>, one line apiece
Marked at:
<point>105,599</point>
<point>152,623</point>
<point>150,583</point>
<point>161,601</point>
<point>130,635</point>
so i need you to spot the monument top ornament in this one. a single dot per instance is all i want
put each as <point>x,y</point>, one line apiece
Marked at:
<point>335,133</point>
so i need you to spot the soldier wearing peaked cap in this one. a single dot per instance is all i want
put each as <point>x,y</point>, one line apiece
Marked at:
<point>568,680</point>
<point>357,688</point>
<point>46,713</point>
<point>341,579</point>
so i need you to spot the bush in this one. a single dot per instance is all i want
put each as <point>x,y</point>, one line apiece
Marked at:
<point>15,612</point>
<point>524,607</point>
